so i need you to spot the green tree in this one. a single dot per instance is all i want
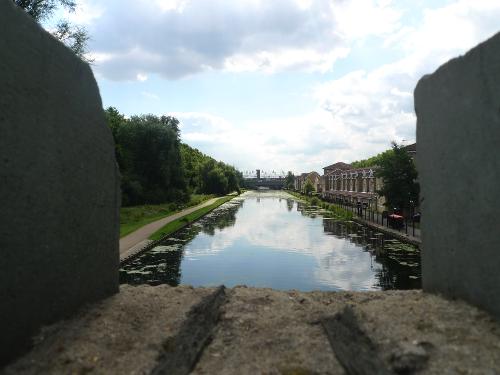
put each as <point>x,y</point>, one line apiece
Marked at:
<point>372,161</point>
<point>289,180</point>
<point>399,178</point>
<point>216,182</point>
<point>157,168</point>
<point>148,154</point>
<point>308,187</point>
<point>197,166</point>
<point>115,121</point>
<point>73,36</point>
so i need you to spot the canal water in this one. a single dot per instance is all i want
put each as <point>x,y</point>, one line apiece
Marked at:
<point>268,239</point>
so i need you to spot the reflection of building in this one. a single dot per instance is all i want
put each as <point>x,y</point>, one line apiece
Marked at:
<point>301,180</point>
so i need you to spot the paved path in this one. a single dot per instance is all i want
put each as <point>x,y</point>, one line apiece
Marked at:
<point>400,234</point>
<point>139,238</point>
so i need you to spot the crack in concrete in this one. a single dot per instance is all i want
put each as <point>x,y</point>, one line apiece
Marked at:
<point>182,351</point>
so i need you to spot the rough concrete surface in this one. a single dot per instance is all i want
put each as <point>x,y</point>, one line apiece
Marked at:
<point>458,136</point>
<point>59,183</point>
<point>263,331</point>
<point>121,335</point>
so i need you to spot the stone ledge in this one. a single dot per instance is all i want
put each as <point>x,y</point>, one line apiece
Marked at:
<point>268,331</point>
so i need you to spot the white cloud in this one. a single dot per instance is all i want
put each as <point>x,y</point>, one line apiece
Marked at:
<point>150,95</point>
<point>357,114</point>
<point>356,19</point>
<point>375,107</point>
<point>308,60</point>
<point>141,77</point>
<point>301,143</point>
<point>185,37</point>
<point>86,12</point>
<point>169,5</point>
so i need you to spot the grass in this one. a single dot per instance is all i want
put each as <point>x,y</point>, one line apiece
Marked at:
<point>132,218</point>
<point>181,222</point>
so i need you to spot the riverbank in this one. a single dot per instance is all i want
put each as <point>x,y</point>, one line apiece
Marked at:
<point>141,239</point>
<point>346,215</point>
<point>135,217</point>
<point>391,232</point>
<point>338,212</point>
<point>185,220</point>
<point>244,330</point>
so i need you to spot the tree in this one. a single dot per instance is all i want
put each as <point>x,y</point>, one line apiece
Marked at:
<point>308,187</point>
<point>73,36</point>
<point>148,154</point>
<point>372,161</point>
<point>399,178</point>
<point>289,180</point>
<point>197,167</point>
<point>157,168</point>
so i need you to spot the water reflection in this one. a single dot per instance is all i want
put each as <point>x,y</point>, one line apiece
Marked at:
<point>269,240</point>
<point>397,263</point>
<point>162,264</point>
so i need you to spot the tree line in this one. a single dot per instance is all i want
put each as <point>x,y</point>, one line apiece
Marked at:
<point>374,160</point>
<point>156,167</point>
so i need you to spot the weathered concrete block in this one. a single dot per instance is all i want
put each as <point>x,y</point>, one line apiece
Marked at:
<point>458,135</point>
<point>58,183</point>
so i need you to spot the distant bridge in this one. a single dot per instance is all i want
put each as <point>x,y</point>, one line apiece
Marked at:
<point>276,182</point>
<point>267,183</point>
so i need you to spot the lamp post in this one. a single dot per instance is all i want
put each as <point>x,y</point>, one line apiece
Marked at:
<point>370,216</point>
<point>412,213</point>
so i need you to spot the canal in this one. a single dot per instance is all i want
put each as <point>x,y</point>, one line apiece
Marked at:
<point>268,239</point>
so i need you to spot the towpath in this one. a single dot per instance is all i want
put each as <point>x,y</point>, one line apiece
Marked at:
<point>138,239</point>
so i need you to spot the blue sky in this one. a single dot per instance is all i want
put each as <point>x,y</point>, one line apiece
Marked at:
<point>279,84</point>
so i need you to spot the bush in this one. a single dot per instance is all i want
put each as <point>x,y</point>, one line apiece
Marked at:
<point>314,201</point>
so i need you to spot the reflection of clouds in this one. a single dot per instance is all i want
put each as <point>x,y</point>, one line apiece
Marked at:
<point>348,269</point>
<point>269,224</point>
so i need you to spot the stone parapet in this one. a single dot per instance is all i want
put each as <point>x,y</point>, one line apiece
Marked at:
<point>59,183</point>
<point>458,135</point>
<point>254,331</point>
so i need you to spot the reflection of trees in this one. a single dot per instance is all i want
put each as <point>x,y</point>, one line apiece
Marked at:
<point>392,274</point>
<point>223,218</point>
<point>337,228</point>
<point>162,264</point>
<point>289,204</point>
<point>300,208</point>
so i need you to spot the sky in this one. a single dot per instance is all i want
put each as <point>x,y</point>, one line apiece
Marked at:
<point>279,84</point>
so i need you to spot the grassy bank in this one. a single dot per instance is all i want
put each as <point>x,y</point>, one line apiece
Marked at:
<point>336,211</point>
<point>132,218</point>
<point>188,219</point>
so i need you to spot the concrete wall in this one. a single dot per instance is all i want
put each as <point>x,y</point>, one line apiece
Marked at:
<point>458,136</point>
<point>59,188</point>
